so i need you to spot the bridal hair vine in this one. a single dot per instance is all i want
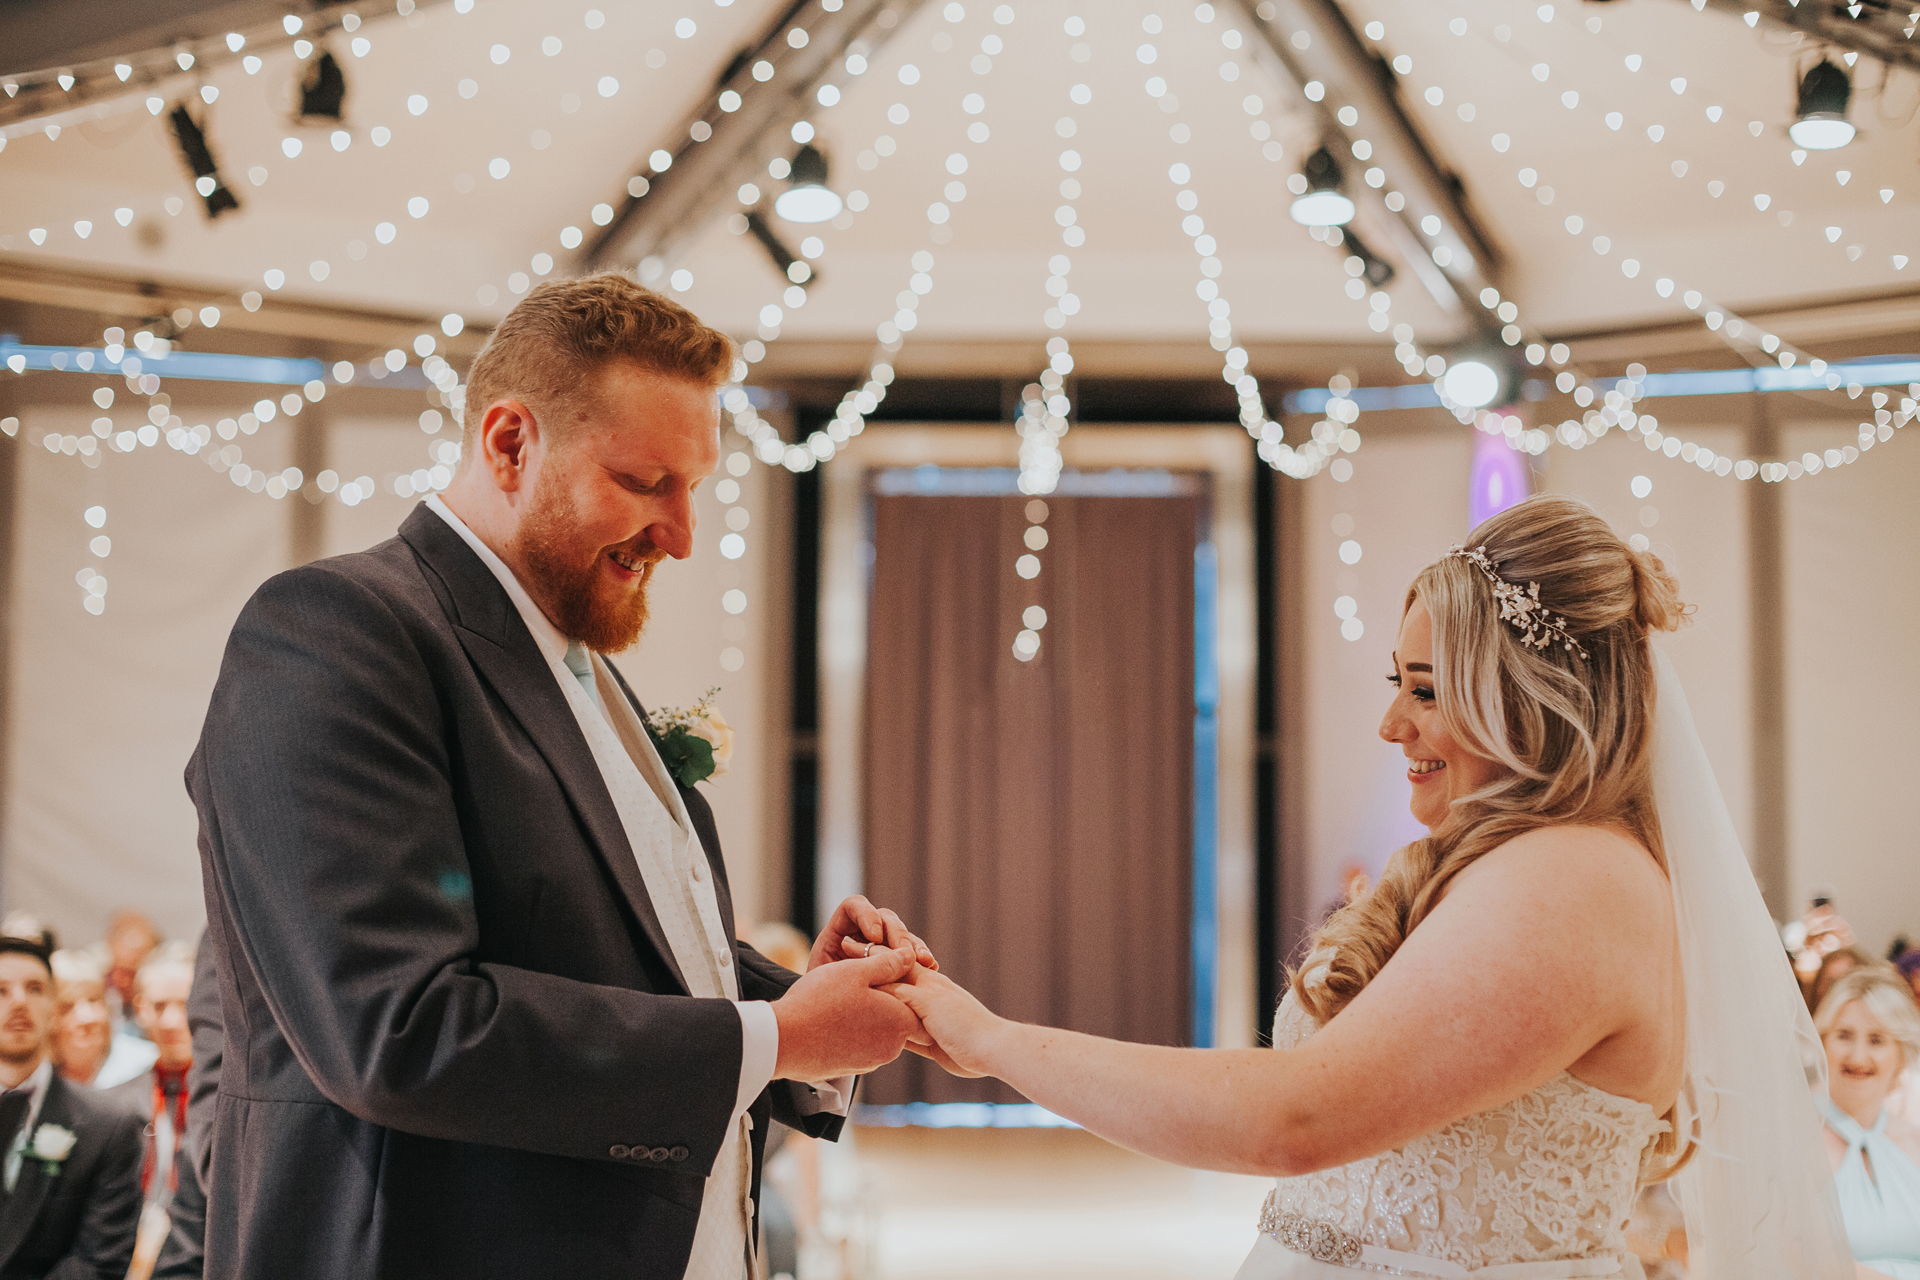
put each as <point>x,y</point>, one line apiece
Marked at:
<point>1520,607</point>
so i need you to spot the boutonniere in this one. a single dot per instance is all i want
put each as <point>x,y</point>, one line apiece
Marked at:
<point>51,1145</point>
<point>696,742</point>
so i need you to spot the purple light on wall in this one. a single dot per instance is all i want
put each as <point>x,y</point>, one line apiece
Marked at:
<point>1500,478</point>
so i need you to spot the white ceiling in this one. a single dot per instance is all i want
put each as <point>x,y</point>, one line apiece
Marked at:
<point>1137,271</point>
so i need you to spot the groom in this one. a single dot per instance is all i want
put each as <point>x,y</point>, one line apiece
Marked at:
<point>485,1014</point>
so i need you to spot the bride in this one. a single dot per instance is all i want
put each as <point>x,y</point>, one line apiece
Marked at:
<point>1568,989</point>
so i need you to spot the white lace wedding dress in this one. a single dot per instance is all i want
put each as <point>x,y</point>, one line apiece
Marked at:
<point>1537,1189</point>
<point>1540,1189</point>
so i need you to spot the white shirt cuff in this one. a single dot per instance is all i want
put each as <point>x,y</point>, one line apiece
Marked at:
<point>759,1051</point>
<point>826,1096</point>
<point>760,1054</point>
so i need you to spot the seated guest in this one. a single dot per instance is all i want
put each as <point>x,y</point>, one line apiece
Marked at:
<point>183,1256</point>
<point>1909,966</point>
<point>1837,964</point>
<point>1871,1029</point>
<point>71,1172</point>
<point>82,1028</point>
<point>87,1047</point>
<point>131,938</point>
<point>159,1097</point>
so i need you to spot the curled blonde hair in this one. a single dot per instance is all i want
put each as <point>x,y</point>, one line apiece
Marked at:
<point>1886,995</point>
<point>1574,733</point>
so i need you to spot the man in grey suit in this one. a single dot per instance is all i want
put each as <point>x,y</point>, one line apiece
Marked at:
<point>485,1014</point>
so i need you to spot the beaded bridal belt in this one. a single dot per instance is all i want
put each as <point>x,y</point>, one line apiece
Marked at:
<point>1336,1246</point>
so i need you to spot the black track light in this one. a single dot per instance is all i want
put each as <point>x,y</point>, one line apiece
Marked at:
<point>323,91</point>
<point>783,257</point>
<point>1318,200</point>
<point>807,198</point>
<point>1371,267</point>
<point>192,142</point>
<point>1820,119</point>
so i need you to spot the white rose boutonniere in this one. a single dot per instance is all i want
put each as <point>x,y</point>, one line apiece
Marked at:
<point>51,1145</point>
<point>695,742</point>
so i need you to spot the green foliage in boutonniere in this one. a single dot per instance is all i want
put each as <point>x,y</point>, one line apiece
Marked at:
<point>51,1145</point>
<point>696,742</point>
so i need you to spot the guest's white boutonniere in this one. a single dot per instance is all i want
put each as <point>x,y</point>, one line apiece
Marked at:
<point>696,742</point>
<point>51,1145</point>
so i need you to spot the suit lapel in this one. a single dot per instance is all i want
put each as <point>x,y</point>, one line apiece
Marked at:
<point>22,1207</point>
<point>505,653</point>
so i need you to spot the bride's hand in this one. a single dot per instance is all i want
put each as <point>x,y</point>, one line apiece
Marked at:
<point>961,1028</point>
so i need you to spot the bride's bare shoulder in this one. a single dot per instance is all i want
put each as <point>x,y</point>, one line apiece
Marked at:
<point>1586,864</point>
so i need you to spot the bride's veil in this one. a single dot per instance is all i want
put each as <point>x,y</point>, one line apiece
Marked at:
<point>1758,1192</point>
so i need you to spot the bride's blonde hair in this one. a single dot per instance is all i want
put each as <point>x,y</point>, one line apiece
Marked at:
<point>1573,733</point>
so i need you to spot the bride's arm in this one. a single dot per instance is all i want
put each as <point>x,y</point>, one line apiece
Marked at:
<point>1540,951</point>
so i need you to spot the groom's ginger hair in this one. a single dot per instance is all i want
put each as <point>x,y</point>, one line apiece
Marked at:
<point>556,338</point>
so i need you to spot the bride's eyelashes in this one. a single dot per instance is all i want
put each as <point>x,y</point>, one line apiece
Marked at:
<point>1423,692</point>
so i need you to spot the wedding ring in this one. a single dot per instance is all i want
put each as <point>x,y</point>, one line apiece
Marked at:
<point>868,954</point>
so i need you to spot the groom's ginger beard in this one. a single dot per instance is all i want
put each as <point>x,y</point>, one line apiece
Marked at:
<point>568,580</point>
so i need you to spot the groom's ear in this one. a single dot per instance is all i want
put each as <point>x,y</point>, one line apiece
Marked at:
<point>507,437</point>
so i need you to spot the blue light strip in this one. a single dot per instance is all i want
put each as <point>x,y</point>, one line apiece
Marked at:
<point>204,366</point>
<point>1206,791</point>
<point>961,1115</point>
<point>1883,372</point>
<point>198,366</point>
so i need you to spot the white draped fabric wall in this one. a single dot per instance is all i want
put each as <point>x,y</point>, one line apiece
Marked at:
<point>104,711</point>
<point>1854,587</point>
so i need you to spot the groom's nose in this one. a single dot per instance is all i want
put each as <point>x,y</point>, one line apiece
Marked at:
<point>671,530</point>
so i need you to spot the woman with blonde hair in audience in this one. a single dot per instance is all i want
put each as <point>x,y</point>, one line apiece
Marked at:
<point>1871,1029</point>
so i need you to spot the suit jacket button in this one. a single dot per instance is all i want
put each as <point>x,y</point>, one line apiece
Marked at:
<point>618,1152</point>
<point>679,1154</point>
<point>659,1155</point>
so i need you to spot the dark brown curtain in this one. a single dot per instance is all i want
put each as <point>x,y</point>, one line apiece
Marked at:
<point>1034,819</point>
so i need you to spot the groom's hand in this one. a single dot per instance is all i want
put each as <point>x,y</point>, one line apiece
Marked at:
<point>857,928</point>
<point>833,1022</point>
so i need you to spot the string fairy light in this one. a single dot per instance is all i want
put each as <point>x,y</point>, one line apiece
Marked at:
<point>1615,121</point>
<point>1616,409</point>
<point>849,420</point>
<point>443,455</point>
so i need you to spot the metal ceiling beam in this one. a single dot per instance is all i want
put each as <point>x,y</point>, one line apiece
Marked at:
<point>107,295</point>
<point>83,40</point>
<point>678,201</point>
<point>1312,41</point>
<point>1881,30</point>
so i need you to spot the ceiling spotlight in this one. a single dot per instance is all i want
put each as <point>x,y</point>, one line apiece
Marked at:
<point>1821,123</point>
<point>323,91</point>
<point>808,198</point>
<point>1318,201</point>
<point>1471,383</point>
<point>192,142</point>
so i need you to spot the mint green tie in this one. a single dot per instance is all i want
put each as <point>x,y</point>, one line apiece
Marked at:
<point>580,662</point>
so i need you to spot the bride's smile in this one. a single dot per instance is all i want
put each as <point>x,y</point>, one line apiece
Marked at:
<point>1440,768</point>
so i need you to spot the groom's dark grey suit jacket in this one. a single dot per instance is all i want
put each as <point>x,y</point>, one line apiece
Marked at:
<point>457,1043</point>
